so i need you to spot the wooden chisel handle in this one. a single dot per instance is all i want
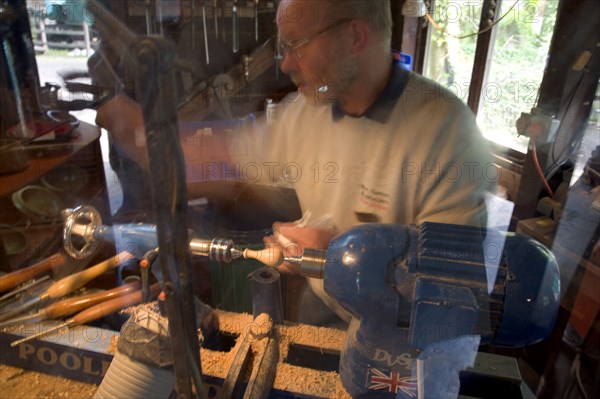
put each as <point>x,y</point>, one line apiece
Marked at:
<point>73,305</point>
<point>109,307</point>
<point>11,280</point>
<point>70,283</point>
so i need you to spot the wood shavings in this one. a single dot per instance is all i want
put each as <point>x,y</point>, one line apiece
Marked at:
<point>19,383</point>
<point>289,377</point>
<point>323,384</point>
<point>112,346</point>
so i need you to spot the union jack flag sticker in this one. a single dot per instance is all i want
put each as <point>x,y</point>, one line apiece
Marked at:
<point>392,381</point>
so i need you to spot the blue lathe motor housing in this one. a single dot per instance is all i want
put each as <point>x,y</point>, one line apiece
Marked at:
<point>423,298</point>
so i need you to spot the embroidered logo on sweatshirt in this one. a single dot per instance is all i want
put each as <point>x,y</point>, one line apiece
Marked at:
<point>374,198</point>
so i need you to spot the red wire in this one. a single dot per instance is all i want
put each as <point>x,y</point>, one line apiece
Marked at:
<point>539,169</point>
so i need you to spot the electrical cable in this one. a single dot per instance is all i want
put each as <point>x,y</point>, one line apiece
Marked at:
<point>567,151</point>
<point>570,148</point>
<point>539,169</point>
<point>444,31</point>
<point>578,377</point>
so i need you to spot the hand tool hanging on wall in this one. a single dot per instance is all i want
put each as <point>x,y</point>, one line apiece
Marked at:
<point>205,28</point>
<point>95,312</point>
<point>222,16</point>
<point>70,283</point>
<point>149,29</point>
<point>235,28</point>
<point>72,305</point>
<point>193,23</point>
<point>216,18</point>
<point>256,20</point>
<point>159,16</point>
<point>167,11</point>
<point>241,74</point>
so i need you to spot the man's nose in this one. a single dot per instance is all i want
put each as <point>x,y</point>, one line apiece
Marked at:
<point>289,63</point>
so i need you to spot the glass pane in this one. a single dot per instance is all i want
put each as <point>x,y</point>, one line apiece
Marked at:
<point>515,69</point>
<point>450,54</point>
<point>589,142</point>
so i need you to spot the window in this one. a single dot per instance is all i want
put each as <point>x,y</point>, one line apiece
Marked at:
<point>449,59</point>
<point>515,64</point>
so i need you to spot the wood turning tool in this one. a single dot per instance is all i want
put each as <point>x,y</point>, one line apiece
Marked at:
<point>193,23</point>
<point>70,283</point>
<point>95,312</point>
<point>23,288</point>
<point>235,29</point>
<point>205,29</point>
<point>73,305</point>
<point>216,19</point>
<point>256,21</point>
<point>11,280</point>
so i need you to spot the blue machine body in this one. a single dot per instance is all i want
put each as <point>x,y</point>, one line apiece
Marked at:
<point>136,238</point>
<point>423,298</point>
<point>434,293</point>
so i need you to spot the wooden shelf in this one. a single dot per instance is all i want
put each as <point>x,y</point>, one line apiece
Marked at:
<point>85,134</point>
<point>83,153</point>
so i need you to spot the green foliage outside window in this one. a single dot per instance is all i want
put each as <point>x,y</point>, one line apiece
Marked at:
<point>515,68</point>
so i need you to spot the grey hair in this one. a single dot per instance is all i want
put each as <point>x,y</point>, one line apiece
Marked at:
<point>377,13</point>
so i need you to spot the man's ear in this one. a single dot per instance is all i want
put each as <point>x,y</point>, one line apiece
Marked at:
<point>361,35</point>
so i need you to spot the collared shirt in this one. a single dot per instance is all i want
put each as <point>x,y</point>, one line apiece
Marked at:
<point>381,109</point>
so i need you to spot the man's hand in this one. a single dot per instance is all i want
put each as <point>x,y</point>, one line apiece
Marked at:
<point>293,239</point>
<point>123,119</point>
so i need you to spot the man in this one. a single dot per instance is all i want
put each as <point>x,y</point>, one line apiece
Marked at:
<point>374,143</point>
<point>363,140</point>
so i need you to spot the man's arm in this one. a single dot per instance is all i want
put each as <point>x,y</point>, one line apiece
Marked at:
<point>122,118</point>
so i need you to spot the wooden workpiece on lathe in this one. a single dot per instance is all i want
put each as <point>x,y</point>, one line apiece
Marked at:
<point>271,256</point>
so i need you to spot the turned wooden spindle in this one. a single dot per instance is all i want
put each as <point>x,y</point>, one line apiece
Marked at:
<point>271,256</point>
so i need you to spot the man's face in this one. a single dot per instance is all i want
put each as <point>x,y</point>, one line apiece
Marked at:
<point>326,68</point>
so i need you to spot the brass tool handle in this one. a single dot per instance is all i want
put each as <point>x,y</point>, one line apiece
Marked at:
<point>109,307</point>
<point>73,305</point>
<point>15,278</point>
<point>71,283</point>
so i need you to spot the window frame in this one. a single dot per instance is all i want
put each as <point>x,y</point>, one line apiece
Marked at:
<point>414,39</point>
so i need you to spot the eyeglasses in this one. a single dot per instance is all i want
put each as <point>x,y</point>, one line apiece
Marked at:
<point>293,46</point>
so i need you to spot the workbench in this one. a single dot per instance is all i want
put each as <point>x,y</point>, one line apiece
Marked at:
<point>307,366</point>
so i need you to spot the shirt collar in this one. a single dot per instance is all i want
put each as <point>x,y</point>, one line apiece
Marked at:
<point>381,109</point>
